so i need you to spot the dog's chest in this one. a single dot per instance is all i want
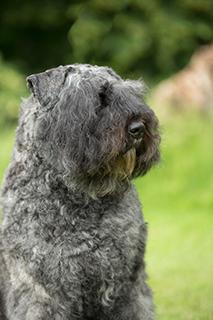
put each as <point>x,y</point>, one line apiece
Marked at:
<point>96,257</point>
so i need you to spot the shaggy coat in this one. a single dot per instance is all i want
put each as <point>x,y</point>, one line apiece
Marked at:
<point>73,236</point>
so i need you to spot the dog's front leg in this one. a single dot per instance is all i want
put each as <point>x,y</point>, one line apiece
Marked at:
<point>136,305</point>
<point>42,311</point>
<point>39,311</point>
<point>32,302</point>
<point>143,302</point>
<point>25,304</point>
<point>28,300</point>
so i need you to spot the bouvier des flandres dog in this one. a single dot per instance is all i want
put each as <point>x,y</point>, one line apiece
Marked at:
<point>73,235</point>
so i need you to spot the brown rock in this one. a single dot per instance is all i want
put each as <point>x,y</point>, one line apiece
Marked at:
<point>192,87</point>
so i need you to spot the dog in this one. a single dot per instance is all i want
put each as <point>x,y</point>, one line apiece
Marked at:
<point>73,236</point>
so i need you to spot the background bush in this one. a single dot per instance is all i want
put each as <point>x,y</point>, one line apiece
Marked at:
<point>137,38</point>
<point>154,38</point>
<point>12,86</point>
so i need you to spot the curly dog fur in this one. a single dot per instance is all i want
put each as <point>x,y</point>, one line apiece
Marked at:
<point>73,236</point>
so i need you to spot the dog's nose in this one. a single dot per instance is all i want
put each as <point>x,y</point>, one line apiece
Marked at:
<point>136,129</point>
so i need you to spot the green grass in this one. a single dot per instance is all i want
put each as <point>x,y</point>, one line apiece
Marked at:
<point>178,204</point>
<point>6,144</point>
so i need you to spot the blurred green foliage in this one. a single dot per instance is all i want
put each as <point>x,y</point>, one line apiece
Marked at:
<point>154,38</point>
<point>12,86</point>
<point>136,37</point>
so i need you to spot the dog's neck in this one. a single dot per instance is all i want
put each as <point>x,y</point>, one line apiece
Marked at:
<point>47,180</point>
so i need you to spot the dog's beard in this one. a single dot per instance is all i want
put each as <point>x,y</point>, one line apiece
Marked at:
<point>113,176</point>
<point>124,165</point>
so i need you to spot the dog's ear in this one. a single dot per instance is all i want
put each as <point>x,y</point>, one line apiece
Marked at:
<point>47,85</point>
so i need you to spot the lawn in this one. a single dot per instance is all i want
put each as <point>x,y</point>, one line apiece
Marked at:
<point>178,205</point>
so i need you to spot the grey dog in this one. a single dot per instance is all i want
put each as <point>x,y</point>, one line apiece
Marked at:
<point>73,235</point>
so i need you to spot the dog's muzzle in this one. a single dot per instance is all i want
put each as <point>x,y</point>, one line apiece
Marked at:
<point>135,134</point>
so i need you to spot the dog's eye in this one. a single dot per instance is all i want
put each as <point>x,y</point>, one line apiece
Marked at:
<point>103,103</point>
<point>104,94</point>
<point>103,99</point>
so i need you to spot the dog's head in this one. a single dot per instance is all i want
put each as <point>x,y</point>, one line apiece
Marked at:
<point>94,127</point>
